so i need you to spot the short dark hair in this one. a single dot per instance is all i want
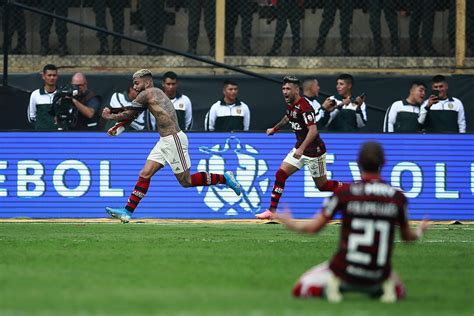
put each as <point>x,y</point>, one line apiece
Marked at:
<point>230,82</point>
<point>170,75</point>
<point>438,79</point>
<point>291,79</point>
<point>417,83</point>
<point>346,78</point>
<point>371,157</point>
<point>49,67</point>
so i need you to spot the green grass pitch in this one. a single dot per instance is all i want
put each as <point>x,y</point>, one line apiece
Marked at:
<point>211,269</point>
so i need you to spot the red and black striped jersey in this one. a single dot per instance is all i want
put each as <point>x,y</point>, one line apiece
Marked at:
<point>371,210</point>
<point>301,115</point>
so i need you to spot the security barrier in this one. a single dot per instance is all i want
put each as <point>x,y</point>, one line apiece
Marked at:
<point>64,175</point>
<point>252,27</point>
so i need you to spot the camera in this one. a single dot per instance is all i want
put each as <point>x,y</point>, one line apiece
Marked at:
<point>63,109</point>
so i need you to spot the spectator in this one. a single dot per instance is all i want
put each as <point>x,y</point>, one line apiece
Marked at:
<point>87,104</point>
<point>41,100</point>
<point>182,104</point>
<point>229,113</point>
<point>422,13</point>
<point>154,19</point>
<point>194,17</point>
<point>347,114</point>
<point>17,24</point>
<point>371,210</point>
<point>234,9</point>
<point>442,113</point>
<point>402,115</point>
<point>117,8</point>
<point>345,21</point>
<point>59,7</point>
<point>292,11</point>
<point>311,90</point>
<point>121,100</point>
<point>390,12</point>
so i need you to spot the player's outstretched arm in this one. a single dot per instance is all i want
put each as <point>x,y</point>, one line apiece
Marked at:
<point>125,115</point>
<point>279,125</point>
<point>311,227</point>
<point>409,234</point>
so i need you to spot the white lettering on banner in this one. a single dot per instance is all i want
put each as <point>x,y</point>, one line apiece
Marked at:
<point>310,189</point>
<point>104,187</point>
<point>417,176</point>
<point>25,178</point>
<point>440,190</point>
<point>355,171</point>
<point>3,166</point>
<point>84,176</point>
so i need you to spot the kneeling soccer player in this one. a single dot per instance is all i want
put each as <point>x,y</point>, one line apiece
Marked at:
<point>370,210</point>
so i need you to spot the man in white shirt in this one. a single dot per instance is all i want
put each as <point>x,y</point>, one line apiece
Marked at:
<point>442,113</point>
<point>402,116</point>
<point>347,114</point>
<point>229,113</point>
<point>41,100</point>
<point>182,104</point>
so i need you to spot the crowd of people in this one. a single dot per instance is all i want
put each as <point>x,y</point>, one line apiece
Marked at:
<point>77,107</point>
<point>154,16</point>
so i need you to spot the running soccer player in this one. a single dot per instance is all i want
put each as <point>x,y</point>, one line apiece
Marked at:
<point>309,149</point>
<point>371,210</point>
<point>172,148</point>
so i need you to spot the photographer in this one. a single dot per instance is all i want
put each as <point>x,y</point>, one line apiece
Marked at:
<point>76,107</point>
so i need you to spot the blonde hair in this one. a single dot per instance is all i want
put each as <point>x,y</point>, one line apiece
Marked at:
<point>142,73</point>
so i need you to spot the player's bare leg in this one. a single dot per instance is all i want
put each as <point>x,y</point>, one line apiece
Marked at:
<point>141,188</point>
<point>206,179</point>
<point>285,171</point>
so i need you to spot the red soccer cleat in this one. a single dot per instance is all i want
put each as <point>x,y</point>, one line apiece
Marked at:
<point>265,215</point>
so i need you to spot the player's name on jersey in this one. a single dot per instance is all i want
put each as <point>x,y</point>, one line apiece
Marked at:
<point>371,208</point>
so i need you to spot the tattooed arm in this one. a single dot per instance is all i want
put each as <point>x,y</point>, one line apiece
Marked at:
<point>125,115</point>
<point>128,113</point>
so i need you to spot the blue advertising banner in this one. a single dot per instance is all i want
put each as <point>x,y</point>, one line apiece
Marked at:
<point>65,175</point>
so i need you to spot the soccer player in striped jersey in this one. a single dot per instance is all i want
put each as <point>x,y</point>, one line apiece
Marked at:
<point>371,210</point>
<point>309,149</point>
<point>172,148</point>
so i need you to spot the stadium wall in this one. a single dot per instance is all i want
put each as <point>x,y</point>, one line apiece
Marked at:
<point>263,97</point>
<point>75,175</point>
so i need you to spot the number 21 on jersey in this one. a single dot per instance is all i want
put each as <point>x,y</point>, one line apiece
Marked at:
<point>367,239</point>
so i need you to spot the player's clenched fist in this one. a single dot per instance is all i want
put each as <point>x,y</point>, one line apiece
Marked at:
<point>271,131</point>
<point>107,113</point>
